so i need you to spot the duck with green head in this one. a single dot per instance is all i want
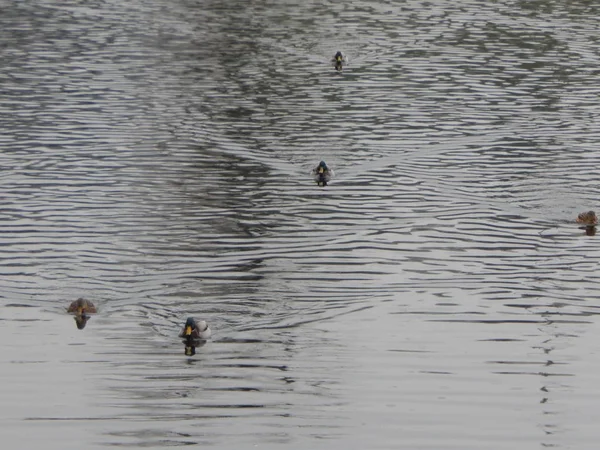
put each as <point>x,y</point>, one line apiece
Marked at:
<point>338,61</point>
<point>194,334</point>
<point>322,174</point>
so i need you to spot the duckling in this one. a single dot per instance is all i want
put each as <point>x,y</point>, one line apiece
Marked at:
<point>338,60</point>
<point>80,307</point>
<point>587,218</point>
<point>322,174</point>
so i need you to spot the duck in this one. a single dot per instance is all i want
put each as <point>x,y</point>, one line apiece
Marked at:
<point>587,218</point>
<point>338,60</point>
<point>195,335</point>
<point>195,331</point>
<point>80,308</point>
<point>322,174</point>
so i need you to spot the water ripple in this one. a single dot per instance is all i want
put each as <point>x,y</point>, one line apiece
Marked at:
<point>157,160</point>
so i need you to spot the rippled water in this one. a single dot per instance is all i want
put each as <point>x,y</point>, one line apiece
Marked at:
<point>156,159</point>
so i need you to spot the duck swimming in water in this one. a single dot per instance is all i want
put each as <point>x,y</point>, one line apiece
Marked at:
<point>194,335</point>
<point>80,308</point>
<point>338,59</point>
<point>322,174</point>
<point>195,330</point>
<point>587,218</point>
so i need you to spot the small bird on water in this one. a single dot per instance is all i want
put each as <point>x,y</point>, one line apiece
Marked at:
<point>322,174</point>
<point>80,308</point>
<point>587,218</point>
<point>194,334</point>
<point>338,60</point>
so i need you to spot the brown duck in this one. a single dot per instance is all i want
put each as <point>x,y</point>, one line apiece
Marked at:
<point>587,218</point>
<point>80,308</point>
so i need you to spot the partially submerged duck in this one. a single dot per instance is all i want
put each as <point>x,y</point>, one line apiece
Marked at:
<point>338,61</point>
<point>194,334</point>
<point>80,308</point>
<point>587,218</point>
<point>322,174</point>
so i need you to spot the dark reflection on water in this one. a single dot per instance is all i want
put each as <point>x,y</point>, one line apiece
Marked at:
<point>157,157</point>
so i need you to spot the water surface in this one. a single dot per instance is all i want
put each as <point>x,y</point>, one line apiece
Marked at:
<point>156,159</point>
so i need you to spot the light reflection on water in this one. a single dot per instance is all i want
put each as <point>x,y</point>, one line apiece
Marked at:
<point>156,159</point>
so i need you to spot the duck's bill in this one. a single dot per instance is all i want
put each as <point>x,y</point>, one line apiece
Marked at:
<point>188,331</point>
<point>321,170</point>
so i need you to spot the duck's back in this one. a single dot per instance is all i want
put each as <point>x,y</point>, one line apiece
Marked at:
<point>82,305</point>
<point>588,218</point>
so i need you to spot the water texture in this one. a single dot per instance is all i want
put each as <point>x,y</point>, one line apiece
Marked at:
<point>437,294</point>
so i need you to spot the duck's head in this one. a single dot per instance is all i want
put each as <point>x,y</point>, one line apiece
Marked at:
<point>338,57</point>
<point>81,320</point>
<point>190,324</point>
<point>322,167</point>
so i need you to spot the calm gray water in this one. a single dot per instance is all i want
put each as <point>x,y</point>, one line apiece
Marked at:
<point>437,294</point>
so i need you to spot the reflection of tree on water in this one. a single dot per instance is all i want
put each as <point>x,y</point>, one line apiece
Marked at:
<point>549,410</point>
<point>552,333</point>
<point>549,428</point>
